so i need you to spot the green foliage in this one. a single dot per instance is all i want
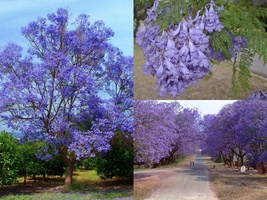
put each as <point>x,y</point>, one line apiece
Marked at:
<point>241,75</point>
<point>77,186</point>
<point>8,152</point>
<point>169,11</point>
<point>140,8</point>
<point>221,41</point>
<point>88,163</point>
<point>242,19</point>
<point>180,158</point>
<point>55,166</point>
<point>29,165</point>
<point>119,160</point>
<point>19,160</point>
<point>52,196</point>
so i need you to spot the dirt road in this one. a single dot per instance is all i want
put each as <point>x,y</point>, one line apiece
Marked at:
<point>186,182</point>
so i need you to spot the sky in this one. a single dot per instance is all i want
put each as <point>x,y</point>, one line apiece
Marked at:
<point>116,14</point>
<point>205,106</point>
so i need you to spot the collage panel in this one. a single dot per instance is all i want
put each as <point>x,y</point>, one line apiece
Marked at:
<point>200,50</point>
<point>66,106</point>
<point>200,149</point>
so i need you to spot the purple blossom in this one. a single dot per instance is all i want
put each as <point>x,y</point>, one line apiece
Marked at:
<point>258,95</point>
<point>211,19</point>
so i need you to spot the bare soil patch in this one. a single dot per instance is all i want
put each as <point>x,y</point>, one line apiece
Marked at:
<point>227,183</point>
<point>146,184</point>
<point>218,86</point>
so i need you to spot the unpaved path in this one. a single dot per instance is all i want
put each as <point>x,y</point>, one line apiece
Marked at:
<point>188,182</point>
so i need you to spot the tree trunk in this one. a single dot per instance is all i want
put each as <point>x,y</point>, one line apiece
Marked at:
<point>69,173</point>
<point>25,179</point>
<point>69,158</point>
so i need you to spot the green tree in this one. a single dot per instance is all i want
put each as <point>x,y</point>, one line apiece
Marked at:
<point>8,153</point>
<point>29,163</point>
<point>119,160</point>
<point>140,8</point>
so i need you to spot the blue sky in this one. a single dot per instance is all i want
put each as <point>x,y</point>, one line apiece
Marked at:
<point>116,14</point>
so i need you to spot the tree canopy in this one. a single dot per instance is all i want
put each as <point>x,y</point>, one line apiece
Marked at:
<point>239,129</point>
<point>72,90</point>
<point>162,131</point>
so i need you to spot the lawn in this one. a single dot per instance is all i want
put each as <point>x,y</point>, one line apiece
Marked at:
<point>86,185</point>
<point>218,86</point>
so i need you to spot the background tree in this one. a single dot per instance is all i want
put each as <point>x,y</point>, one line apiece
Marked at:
<point>241,132</point>
<point>163,131</point>
<point>8,153</point>
<point>119,160</point>
<point>37,158</point>
<point>24,160</point>
<point>140,8</point>
<point>48,94</point>
<point>186,133</point>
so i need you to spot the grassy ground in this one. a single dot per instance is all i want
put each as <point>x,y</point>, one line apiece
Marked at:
<point>227,183</point>
<point>86,185</point>
<point>216,87</point>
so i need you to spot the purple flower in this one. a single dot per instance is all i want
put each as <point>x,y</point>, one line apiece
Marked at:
<point>211,20</point>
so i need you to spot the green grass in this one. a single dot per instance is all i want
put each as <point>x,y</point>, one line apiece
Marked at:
<point>66,196</point>
<point>82,175</point>
<point>85,186</point>
<point>57,196</point>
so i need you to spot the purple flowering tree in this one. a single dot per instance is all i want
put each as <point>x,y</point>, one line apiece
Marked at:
<point>163,131</point>
<point>62,84</point>
<point>152,131</point>
<point>239,130</point>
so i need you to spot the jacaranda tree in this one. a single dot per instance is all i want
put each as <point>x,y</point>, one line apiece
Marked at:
<point>238,130</point>
<point>181,40</point>
<point>62,84</point>
<point>162,131</point>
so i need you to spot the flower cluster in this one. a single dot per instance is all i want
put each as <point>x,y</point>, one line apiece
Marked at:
<point>181,55</point>
<point>258,95</point>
